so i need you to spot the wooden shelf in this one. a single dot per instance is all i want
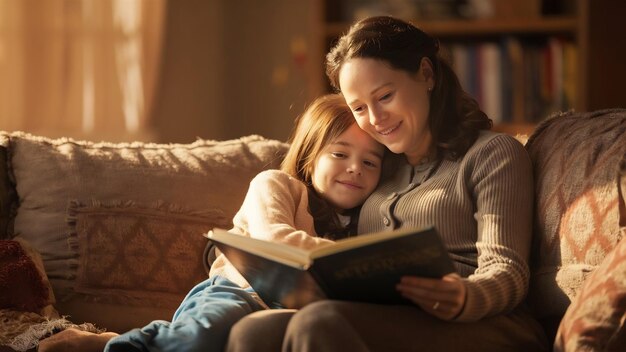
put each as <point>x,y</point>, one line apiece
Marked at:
<point>460,27</point>
<point>590,28</point>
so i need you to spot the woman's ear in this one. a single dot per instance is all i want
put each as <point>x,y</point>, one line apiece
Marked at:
<point>427,72</point>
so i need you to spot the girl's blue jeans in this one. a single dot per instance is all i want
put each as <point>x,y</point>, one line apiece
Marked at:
<point>201,323</point>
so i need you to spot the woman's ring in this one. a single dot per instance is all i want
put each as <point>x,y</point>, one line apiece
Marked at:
<point>436,305</point>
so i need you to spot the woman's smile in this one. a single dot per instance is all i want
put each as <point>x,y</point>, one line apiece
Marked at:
<point>388,131</point>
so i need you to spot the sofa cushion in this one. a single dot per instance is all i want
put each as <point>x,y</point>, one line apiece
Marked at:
<point>133,259</point>
<point>205,180</point>
<point>595,319</point>
<point>576,159</point>
<point>136,255</point>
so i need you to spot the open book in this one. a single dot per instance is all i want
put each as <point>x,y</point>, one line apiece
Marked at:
<point>365,268</point>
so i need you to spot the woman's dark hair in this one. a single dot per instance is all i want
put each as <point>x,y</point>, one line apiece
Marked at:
<point>455,118</point>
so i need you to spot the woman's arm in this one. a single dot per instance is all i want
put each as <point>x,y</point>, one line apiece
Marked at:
<point>497,177</point>
<point>503,192</point>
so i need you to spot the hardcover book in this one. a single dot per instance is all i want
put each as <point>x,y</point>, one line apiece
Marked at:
<point>365,268</point>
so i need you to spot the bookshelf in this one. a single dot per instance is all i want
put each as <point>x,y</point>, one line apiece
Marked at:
<point>550,55</point>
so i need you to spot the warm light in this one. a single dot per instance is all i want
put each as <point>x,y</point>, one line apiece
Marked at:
<point>127,22</point>
<point>89,117</point>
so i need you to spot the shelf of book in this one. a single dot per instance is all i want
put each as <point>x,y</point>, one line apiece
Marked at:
<point>473,27</point>
<point>521,66</point>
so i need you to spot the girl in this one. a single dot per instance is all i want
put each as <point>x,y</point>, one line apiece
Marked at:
<point>332,166</point>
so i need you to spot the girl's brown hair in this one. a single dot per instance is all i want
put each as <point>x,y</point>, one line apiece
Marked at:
<point>455,118</point>
<point>322,122</point>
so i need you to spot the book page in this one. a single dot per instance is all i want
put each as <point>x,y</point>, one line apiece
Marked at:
<point>280,252</point>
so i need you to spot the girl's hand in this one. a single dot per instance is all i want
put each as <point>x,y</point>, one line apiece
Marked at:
<point>443,298</point>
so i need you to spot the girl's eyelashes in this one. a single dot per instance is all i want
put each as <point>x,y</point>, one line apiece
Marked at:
<point>342,155</point>
<point>370,163</point>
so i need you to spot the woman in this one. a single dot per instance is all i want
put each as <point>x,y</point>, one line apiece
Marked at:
<point>473,185</point>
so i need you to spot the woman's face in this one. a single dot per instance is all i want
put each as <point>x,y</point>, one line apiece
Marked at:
<point>390,105</point>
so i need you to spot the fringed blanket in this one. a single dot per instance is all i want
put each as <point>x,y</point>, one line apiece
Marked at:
<point>22,331</point>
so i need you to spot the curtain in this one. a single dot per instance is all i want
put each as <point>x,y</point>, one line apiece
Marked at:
<point>80,68</point>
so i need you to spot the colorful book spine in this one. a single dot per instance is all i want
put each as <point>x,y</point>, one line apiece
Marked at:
<point>517,81</point>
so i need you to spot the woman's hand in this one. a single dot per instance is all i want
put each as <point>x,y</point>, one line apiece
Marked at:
<point>443,298</point>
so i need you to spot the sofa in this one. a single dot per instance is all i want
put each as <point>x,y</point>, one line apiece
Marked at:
<point>109,236</point>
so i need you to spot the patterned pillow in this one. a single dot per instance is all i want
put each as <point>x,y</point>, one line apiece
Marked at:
<point>576,160</point>
<point>596,319</point>
<point>133,255</point>
<point>196,181</point>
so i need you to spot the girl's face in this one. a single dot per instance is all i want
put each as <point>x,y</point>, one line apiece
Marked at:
<point>390,105</point>
<point>348,169</point>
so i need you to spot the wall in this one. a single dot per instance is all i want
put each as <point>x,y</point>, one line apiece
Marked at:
<point>233,68</point>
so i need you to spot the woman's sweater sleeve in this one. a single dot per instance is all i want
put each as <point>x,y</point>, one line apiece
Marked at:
<point>501,181</point>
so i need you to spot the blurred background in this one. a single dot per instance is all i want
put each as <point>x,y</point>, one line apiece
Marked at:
<point>154,70</point>
<point>177,70</point>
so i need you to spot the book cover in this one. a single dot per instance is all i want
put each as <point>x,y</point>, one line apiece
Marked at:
<point>365,268</point>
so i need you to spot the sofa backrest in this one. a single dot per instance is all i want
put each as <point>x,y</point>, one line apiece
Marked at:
<point>121,224</point>
<point>579,212</point>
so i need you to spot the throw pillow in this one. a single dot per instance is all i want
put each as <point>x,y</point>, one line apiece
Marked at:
<point>202,176</point>
<point>596,319</point>
<point>131,254</point>
<point>576,159</point>
<point>23,284</point>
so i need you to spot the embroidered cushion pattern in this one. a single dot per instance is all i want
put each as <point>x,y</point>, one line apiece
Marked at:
<point>131,254</point>
<point>576,159</point>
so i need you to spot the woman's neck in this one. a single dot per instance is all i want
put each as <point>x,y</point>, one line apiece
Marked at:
<point>424,151</point>
<point>424,157</point>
